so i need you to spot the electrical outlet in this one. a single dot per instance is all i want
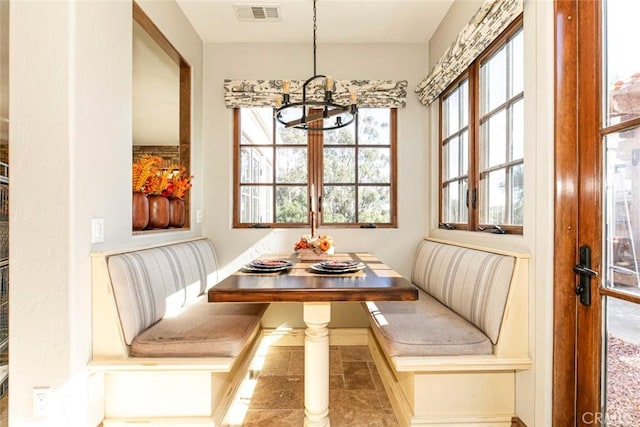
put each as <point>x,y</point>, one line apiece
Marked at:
<point>41,401</point>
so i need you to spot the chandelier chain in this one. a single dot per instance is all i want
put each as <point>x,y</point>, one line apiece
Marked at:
<point>315,28</point>
<point>314,110</point>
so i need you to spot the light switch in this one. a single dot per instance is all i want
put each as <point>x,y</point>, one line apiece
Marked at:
<point>97,230</point>
<point>198,216</point>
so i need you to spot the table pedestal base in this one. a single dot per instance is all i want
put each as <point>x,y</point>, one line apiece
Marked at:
<point>316,363</point>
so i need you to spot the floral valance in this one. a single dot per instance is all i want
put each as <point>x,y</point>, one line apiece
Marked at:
<point>369,93</point>
<point>493,17</point>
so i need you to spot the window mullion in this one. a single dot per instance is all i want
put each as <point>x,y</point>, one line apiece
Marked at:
<point>508,136</point>
<point>474,152</point>
<point>274,196</point>
<point>356,190</point>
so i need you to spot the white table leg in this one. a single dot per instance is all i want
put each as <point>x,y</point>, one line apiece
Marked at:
<point>316,363</point>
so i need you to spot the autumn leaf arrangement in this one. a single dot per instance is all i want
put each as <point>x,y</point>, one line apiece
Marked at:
<point>318,244</point>
<point>150,177</point>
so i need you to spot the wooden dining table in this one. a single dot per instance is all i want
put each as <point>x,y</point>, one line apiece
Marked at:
<point>316,290</point>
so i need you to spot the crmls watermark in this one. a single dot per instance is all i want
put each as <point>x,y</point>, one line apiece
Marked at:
<point>610,420</point>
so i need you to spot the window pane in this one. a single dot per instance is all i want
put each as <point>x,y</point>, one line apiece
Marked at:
<point>454,202</point>
<point>451,114</point>
<point>450,159</point>
<point>373,126</point>
<point>374,165</point>
<point>493,148</point>
<point>342,136</point>
<point>517,130</point>
<point>450,202</point>
<point>622,209</point>
<point>493,77</point>
<point>256,204</point>
<point>374,204</point>
<point>291,204</point>
<point>339,204</point>
<point>257,125</point>
<point>517,195</point>
<point>622,61</point>
<point>517,64</point>
<point>492,199</point>
<point>464,104</point>
<point>256,164</point>
<point>290,136</point>
<point>291,165</point>
<point>339,165</point>
<point>464,147</point>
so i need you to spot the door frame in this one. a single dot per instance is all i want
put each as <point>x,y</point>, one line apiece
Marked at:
<point>577,134</point>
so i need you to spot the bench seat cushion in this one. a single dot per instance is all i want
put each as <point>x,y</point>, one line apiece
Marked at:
<point>203,329</point>
<point>148,284</point>
<point>424,328</point>
<point>473,283</point>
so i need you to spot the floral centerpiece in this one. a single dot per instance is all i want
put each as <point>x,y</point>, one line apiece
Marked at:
<point>314,247</point>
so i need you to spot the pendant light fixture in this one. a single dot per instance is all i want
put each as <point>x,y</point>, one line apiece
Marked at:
<point>301,115</point>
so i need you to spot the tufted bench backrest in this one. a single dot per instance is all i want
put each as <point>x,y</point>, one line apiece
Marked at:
<point>150,283</point>
<point>473,283</point>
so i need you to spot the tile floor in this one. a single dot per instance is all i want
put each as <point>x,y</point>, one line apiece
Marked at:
<point>356,395</point>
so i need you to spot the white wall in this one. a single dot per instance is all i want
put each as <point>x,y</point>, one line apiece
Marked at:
<point>295,61</point>
<point>70,156</point>
<point>534,387</point>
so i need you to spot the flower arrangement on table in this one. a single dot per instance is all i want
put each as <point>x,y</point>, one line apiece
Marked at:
<point>318,244</point>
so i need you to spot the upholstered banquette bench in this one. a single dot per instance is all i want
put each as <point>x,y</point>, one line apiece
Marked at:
<point>161,352</point>
<point>451,357</point>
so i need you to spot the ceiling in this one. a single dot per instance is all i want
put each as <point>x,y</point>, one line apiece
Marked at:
<point>338,21</point>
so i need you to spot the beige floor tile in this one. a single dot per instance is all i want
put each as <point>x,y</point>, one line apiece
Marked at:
<point>278,392</point>
<point>357,376</point>
<point>274,418</point>
<point>356,394</point>
<point>355,353</point>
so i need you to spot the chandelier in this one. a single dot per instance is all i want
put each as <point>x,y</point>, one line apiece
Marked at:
<point>300,115</point>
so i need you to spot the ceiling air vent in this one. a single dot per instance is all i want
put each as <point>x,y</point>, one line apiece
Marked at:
<point>247,12</point>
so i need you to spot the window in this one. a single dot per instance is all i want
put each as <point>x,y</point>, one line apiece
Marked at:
<point>351,171</point>
<point>482,141</point>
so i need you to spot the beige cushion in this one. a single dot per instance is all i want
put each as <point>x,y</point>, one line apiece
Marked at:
<point>473,283</point>
<point>150,283</point>
<point>424,328</point>
<point>203,329</point>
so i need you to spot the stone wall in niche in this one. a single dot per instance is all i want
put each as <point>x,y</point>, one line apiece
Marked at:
<point>4,151</point>
<point>170,153</point>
